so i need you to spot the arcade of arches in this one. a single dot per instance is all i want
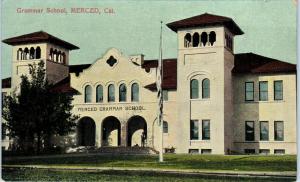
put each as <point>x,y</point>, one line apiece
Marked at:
<point>113,132</point>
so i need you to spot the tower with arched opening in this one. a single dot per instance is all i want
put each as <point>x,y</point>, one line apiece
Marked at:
<point>31,48</point>
<point>205,55</point>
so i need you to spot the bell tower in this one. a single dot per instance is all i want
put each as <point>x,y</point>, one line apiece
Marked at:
<point>205,60</point>
<point>31,48</point>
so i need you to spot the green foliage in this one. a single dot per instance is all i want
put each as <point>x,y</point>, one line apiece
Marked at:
<point>113,175</point>
<point>36,113</point>
<point>172,161</point>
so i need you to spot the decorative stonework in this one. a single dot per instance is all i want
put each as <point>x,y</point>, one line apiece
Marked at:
<point>111,61</point>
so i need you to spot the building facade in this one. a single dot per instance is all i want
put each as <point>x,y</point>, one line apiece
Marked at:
<point>215,101</point>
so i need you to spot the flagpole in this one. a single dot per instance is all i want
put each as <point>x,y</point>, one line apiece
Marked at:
<point>160,95</point>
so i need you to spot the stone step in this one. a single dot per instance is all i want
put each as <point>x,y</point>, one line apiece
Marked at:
<point>117,150</point>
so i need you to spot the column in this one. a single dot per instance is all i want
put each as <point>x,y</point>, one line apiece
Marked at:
<point>98,134</point>
<point>123,134</point>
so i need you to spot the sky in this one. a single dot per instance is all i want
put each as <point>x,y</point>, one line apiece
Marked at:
<point>134,27</point>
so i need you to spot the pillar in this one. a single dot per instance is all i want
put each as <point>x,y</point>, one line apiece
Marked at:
<point>98,134</point>
<point>123,134</point>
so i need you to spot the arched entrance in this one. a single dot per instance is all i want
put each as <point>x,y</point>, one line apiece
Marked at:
<point>136,131</point>
<point>111,131</point>
<point>86,132</point>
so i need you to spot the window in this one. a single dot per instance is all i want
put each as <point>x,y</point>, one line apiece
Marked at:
<point>196,40</point>
<point>278,131</point>
<point>212,38</point>
<point>19,54</point>
<point>54,53</point>
<point>194,130</point>
<point>99,93</point>
<point>205,88</point>
<point>204,38</point>
<point>249,91</point>
<point>165,95</point>
<point>122,93</point>
<point>135,92</point>
<point>165,127</point>
<point>264,130</point>
<point>278,90</point>
<point>51,54</point>
<point>63,58</point>
<point>59,60</point>
<point>279,151</point>
<point>88,94</point>
<point>205,130</point>
<point>31,53</point>
<point>111,93</point>
<point>111,61</point>
<point>249,151</point>
<point>38,53</point>
<point>263,91</point>
<point>193,151</point>
<point>26,54</point>
<point>249,130</point>
<point>205,151</point>
<point>194,89</point>
<point>264,151</point>
<point>187,40</point>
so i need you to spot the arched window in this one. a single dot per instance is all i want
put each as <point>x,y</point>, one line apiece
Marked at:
<point>196,40</point>
<point>99,93</point>
<point>51,54</point>
<point>165,127</point>
<point>20,54</point>
<point>122,93</point>
<point>26,54</point>
<point>111,93</point>
<point>88,94</point>
<point>38,53</point>
<point>204,38</point>
<point>31,53</point>
<point>64,58</point>
<point>212,38</point>
<point>194,89</point>
<point>54,55</point>
<point>58,57</point>
<point>205,88</point>
<point>187,40</point>
<point>135,92</point>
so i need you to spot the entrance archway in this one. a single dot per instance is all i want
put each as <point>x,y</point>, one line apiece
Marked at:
<point>86,132</point>
<point>111,131</point>
<point>136,131</point>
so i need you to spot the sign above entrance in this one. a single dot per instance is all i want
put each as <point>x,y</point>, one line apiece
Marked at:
<point>111,108</point>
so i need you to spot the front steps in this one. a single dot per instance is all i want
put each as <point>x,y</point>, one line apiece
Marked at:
<point>114,150</point>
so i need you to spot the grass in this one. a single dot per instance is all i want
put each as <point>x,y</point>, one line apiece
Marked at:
<point>200,162</point>
<point>52,175</point>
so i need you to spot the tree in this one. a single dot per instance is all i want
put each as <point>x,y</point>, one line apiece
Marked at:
<point>36,113</point>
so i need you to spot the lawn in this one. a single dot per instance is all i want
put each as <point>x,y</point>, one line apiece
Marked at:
<point>200,162</point>
<point>52,175</point>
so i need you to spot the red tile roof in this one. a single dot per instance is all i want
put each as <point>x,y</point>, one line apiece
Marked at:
<point>78,68</point>
<point>206,20</point>
<point>169,81</point>
<point>36,37</point>
<point>64,86</point>
<point>169,72</point>
<point>254,63</point>
<point>244,63</point>
<point>6,82</point>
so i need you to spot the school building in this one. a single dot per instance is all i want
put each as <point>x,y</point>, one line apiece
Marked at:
<point>215,101</point>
